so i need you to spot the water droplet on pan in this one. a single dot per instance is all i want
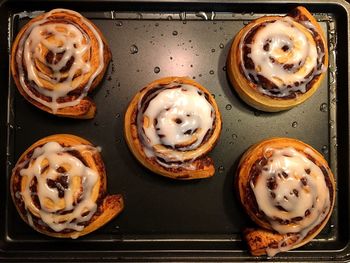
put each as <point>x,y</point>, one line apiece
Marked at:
<point>221,46</point>
<point>234,136</point>
<point>221,169</point>
<point>175,33</point>
<point>213,50</point>
<point>325,149</point>
<point>183,15</point>
<point>294,124</point>
<point>331,78</point>
<point>156,70</point>
<point>119,23</point>
<point>228,107</point>
<point>134,49</point>
<point>324,107</point>
<point>202,15</point>
<point>211,72</point>
<point>117,115</point>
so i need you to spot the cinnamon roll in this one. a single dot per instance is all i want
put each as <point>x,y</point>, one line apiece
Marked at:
<point>288,190</point>
<point>277,62</point>
<point>171,125</point>
<point>58,58</point>
<point>59,187</point>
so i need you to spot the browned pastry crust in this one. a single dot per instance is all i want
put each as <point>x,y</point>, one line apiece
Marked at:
<point>30,206</point>
<point>202,166</point>
<point>86,108</point>
<point>259,239</point>
<point>249,87</point>
<point>252,163</point>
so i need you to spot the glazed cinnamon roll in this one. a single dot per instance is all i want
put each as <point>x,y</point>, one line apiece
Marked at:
<point>59,187</point>
<point>276,63</point>
<point>171,125</point>
<point>58,58</point>
<point>288,190</point>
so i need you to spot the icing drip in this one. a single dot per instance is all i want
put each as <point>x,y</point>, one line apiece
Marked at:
<point>68,44</point>
<point>292,193</point>
<point>60,207</point>
<point>284,53</point>
<point>176,117</point>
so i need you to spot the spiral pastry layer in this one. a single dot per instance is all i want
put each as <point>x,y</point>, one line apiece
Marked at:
<point>57,59</point>
<point>276,63</point>
<point>170,126</point>
<point>59,187</point>
<point>287,188</point>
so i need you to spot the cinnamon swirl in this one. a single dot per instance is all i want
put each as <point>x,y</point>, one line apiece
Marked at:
<point>59,187</point>
<point>57,58</point>
<point>288,190</point>
<point>171,125</point>
<point>276,63</point>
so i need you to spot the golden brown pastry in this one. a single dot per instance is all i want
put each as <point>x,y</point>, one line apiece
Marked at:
<point>58,58</point>
<point>171,125</point>
<point>59,187</point>
<point>277,62</point>
<point>288,190</point>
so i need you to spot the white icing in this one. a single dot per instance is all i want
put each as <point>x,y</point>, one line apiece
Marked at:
<point>273,63</point>
<point>176,116</point>
<point>291,194</point>
<point>70,40</point>
<point>308,24</point>
<point>30,220</point>
<point>56,156</point>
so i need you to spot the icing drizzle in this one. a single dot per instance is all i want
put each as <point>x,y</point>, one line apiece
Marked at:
<point>292,193</point>
<point>68,44</point>
<point>56,174</point>
<point>173,122</point>
<point>284,57</point>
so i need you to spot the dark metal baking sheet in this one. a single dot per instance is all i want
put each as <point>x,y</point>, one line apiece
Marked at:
<point>165,219</point>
